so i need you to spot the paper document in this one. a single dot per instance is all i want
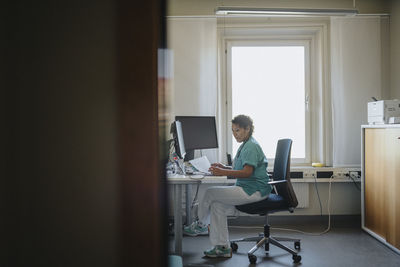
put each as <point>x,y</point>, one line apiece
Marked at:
<point>202,164</point>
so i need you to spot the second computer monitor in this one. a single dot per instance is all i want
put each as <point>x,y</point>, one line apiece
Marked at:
<point>199,132</point>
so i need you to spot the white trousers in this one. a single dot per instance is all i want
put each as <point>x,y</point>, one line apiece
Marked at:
<point>218,203</point>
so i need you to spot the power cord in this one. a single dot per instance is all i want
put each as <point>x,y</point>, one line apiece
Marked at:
<point>329,208</point>
<point>351,176</point>
<point>316,189</point>
<point>329,215</point>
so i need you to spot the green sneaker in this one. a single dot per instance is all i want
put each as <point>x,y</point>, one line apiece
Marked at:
<point>195,229</point>
<point>219,252</point>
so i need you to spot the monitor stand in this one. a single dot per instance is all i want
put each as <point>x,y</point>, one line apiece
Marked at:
<point>189,155</point>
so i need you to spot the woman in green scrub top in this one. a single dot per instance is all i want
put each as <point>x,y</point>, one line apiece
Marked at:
<point>250,170</point>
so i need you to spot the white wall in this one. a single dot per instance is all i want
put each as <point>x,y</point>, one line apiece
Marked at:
<point>395,49</point>
<point>193,42</point>
<point>358,73</point>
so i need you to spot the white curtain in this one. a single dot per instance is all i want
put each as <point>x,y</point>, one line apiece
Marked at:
<point>356,65</point>
<point>193,42</point>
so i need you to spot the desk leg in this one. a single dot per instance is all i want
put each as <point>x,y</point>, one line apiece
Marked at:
<point>189,218</point>
<point>178,218</point>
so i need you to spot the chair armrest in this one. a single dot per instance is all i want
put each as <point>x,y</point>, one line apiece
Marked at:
<point>277,182</point>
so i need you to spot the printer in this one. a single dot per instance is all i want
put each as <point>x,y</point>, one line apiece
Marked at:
<point>384,112</point>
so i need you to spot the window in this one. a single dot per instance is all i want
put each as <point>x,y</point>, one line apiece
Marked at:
<point>277,74</point>
<point>270,83</point>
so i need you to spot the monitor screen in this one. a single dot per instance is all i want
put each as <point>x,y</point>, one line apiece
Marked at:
<point>199,132</point>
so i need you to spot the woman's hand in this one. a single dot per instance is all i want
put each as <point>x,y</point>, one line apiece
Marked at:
<point>219,165</point>
<point>217,170</point>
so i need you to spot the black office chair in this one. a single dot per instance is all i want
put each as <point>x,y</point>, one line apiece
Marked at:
<point>283,199</point>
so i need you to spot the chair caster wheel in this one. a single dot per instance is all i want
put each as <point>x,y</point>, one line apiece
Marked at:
<point>296,258</point>
<point>297,245</point>
<point>234,246</point>
<point>252,259</point>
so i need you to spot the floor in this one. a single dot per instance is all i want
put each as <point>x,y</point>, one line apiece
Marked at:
<point>344,245</point>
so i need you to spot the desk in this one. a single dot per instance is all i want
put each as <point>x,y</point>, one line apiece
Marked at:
<point>178,181</point>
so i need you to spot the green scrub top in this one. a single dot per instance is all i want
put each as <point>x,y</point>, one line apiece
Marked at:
<point>250,153</point>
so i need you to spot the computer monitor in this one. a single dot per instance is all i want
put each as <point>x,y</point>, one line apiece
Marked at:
<point>179,143</point>
<point>199,132</point>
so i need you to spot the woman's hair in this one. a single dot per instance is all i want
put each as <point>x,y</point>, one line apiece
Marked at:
<point>244,121</point>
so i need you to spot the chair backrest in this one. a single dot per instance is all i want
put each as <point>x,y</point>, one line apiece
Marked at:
<point>282,171</point>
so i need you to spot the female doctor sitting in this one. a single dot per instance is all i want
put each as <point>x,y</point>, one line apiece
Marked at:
<point>250,170</point>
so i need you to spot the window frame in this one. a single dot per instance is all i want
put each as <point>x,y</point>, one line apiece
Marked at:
<point>316,31</point>
<point>264,43</point>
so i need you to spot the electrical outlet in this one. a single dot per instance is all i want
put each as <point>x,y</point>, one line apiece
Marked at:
<point>308,174</point>
<point>340,173</point>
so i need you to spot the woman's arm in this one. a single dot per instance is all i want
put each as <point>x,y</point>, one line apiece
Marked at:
<point>220,165</point>
<point>243,173</point>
